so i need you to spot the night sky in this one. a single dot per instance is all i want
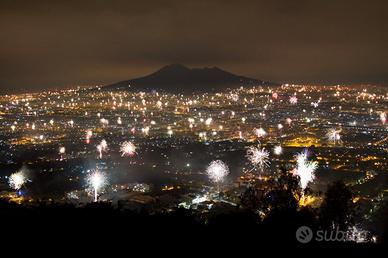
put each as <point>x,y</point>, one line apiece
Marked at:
<point>51,43</point>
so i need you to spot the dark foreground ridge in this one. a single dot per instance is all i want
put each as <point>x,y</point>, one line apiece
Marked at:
<point>101,222</point>
<point>223,224</point>
<point>178,78</point>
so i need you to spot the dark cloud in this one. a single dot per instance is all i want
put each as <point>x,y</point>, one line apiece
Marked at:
<point>52,43</point>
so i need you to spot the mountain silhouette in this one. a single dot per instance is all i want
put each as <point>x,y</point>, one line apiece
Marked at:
<point>179,78</point>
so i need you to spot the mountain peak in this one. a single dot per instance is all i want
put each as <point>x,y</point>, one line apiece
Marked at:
<point>179,78</point>
<point>174,67</point>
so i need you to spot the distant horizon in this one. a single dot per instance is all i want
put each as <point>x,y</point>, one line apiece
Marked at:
<point>21,90</point>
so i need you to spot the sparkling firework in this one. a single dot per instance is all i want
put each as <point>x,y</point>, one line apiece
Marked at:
<point>260,132</point>
<point>103,146</point>
<point>127,149</point>
<point>96,181</point>
<point>17,180</point>
<point>62,150</point>
<point>289,121</point>
<point>293,100</point>
<point>305,169</point>
<point>278,150</point>
<point>145,130</point>
<point>217,171</point>
<point>104,121</point>
<point>259,157</point>
<point>234,97</point>
<point>383,117</point>
<point>89,135</point>
<point>333,135</point>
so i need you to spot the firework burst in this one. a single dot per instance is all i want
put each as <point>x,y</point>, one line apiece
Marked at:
<point>17,180</point>
<point>260,132</point>
<point>305,169</point>
<point>217,171</point>
<point>102,147</point>
<point>278,150</point>
<point>62,151</point>
<point>96,181</point>
<point>333,135</point>
<point>89,135</point>
<point>127,149</point>
<point>289,121</point>
<point>383,117</point>
<point>259,157</point>
<point>293,100</point>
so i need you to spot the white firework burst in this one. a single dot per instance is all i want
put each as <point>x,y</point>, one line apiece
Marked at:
<point>293,100</point>
<point>89,134</point>
<point>383,117</point>
<point>17,180</point>
<point>62,150</point>
<point>305,169</point>
<point>102,147</point>
<point>95,182</point>
<point>289,121</point>
<point>127,149</point>
<point>104,144</point>
<point>217,171</point>
<point>333,135</point>
<point>260,132</point>
<point>259,157</point>
<point>278,150</point>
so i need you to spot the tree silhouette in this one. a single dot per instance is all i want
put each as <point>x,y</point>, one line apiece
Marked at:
<point>337,209</point>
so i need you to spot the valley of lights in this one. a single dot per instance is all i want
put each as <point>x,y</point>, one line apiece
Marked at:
<point>181,140</point>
